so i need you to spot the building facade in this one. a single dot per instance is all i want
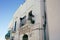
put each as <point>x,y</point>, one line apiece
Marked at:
<point>35,20</point>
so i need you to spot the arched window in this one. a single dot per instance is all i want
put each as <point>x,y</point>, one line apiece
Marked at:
<point>25,37</point>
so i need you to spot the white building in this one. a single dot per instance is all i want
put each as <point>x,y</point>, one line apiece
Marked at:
<point>36,20</point>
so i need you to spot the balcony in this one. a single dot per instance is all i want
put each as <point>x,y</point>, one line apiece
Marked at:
<point>7,36</point>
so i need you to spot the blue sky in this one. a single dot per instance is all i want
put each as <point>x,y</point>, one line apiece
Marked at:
<point>7,9</point>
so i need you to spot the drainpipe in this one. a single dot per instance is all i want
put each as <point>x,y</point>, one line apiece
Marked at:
<point>43,23</point>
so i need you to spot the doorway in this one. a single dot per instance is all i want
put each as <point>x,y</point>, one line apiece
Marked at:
<point>25,37</point>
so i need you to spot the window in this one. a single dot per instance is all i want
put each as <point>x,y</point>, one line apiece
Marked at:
<point>15,26</point>
<point>25,37</point>
<point>22,21</point>
<point>12,38</point>
<point>30,17</point>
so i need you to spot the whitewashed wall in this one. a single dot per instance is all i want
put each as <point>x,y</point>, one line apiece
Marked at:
<point>37,7</point>
<point>53,16</point>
